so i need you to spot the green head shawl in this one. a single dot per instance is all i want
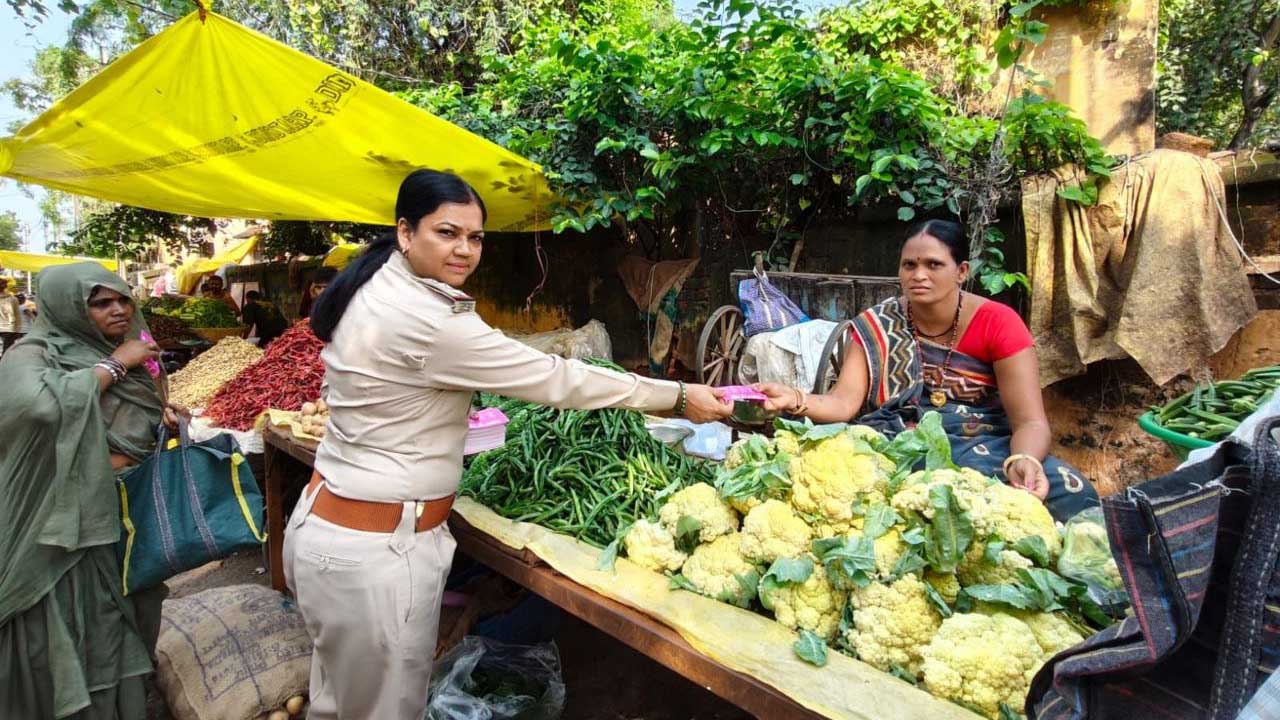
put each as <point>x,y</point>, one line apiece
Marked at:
<point>58,431</point>
<point>132,408</point>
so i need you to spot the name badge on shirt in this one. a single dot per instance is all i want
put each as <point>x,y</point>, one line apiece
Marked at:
<point>464,306</point>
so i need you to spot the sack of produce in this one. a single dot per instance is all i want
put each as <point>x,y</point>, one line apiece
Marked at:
<point>1197,549</point>
<point>483,679</point>
<point>589,341</point>
<point>233,653</point>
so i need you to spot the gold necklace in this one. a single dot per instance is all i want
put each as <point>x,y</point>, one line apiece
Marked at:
<point>938,397</point>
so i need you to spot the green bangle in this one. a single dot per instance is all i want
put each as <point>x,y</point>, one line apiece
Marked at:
<point>683,403</point>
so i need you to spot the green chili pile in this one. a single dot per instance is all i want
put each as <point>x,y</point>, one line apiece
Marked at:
<point>1213,411</point>
<point>586,473</point>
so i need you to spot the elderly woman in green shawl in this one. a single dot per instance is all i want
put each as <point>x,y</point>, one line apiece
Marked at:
<point>76,406</point>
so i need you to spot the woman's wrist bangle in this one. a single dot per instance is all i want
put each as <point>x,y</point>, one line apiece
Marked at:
<point>1020,456</point>
<point>683,403</point>
<point>802,402</point>
<point>114,368</point>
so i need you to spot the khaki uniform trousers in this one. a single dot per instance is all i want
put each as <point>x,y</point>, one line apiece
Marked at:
<point>371,604</point>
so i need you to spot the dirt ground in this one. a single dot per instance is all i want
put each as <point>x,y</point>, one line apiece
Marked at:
<point>606,680</point>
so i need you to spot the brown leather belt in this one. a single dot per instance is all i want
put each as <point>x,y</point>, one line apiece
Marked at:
<point>373,516</point>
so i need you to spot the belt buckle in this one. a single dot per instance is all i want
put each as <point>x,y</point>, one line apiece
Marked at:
<point>421,506</point>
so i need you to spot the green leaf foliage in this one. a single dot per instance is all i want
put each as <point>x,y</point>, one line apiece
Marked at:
<point>811,648</point>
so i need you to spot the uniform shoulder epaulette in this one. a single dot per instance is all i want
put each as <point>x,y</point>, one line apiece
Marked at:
<point>459,301</point>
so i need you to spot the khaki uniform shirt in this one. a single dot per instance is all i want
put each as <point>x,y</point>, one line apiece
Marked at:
<point>400,374</point>
<point>10,313</point>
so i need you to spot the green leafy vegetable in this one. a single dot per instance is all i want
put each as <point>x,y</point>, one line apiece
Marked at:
<point>1034,549</point>
<point>877,519</point>
<point>849,562</point>
<point>687,531</point>
<point>609,556</point>
<point>783,572</point>
<point>991,554</point>
<point>951,532</point>
<point>811,648</point>
<point>677,581</point>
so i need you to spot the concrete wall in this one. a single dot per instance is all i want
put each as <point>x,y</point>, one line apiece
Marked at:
<point>1101,60</point>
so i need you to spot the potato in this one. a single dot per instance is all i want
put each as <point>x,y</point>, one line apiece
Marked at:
<point>308,409</point>
<point>278,715</point>
<point>294,704</point>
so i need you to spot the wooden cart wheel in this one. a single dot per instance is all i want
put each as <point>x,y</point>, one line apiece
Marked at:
<point>833,357</point>
<point>720,347</point>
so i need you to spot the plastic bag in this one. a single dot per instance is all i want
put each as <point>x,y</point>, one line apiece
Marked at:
<point>1087,558</point>
<point>589,341</point>
<point>483,679</point>
<point>766,307</point>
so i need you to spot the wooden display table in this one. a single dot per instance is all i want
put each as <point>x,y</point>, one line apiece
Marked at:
<point>634,628</point>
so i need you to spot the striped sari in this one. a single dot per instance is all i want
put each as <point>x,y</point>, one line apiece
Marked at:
<point>903,374</point>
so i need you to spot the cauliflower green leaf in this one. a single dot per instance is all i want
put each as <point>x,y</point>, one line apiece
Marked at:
<point>811,648</point>
<point>1033,548</point>
<point>849,562</point>
<point>783,572</point>
<point>950,533</point>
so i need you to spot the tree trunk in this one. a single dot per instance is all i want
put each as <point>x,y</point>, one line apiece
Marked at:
<point>1255,95</point>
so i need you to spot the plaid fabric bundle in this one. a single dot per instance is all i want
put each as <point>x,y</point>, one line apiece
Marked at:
<point>1197,549</point>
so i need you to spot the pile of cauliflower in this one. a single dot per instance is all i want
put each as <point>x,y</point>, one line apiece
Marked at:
<point>941,577</point>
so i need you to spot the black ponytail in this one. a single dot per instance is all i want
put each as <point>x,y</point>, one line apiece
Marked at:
<point>422,192</point>
<point>946,232</point>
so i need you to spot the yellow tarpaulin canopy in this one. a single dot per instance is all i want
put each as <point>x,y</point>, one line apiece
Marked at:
<point>209,118</point>
<point>342,254</point>
<point>192,270</point>
<point>35,262</point>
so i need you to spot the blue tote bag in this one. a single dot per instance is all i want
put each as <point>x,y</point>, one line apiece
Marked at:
<point>765,307</point>
<point>186,506</point>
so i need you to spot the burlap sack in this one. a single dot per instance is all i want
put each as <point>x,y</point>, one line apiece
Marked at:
<point>231,653</point>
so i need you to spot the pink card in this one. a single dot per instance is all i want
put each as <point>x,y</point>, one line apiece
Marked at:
<point>742,392</point>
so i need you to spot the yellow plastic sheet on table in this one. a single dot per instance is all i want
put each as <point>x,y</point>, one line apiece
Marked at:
<point>191,271</point>
<point>292,421</point>
<point>209,118</point>
<point>736,638</point>
<point>35,262</point>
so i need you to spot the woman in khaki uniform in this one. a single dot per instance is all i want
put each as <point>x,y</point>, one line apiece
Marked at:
<point>366,551</point>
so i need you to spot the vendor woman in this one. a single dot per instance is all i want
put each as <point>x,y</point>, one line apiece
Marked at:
<point>366,550</point>
<point>939,348</point>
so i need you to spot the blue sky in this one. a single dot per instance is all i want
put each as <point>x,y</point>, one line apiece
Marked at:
<point>20,46</point>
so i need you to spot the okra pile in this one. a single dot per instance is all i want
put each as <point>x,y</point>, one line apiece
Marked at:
<point>1214,410</point>
<point>585,473</point>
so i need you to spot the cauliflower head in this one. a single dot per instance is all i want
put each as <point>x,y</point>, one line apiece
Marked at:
<point>651,546</point>
<point>947,585</point>
<point>718,570</point>
<point>745,505</point>
<point>771,531</point>
<point>812,605</point>
<point>830,477</point>
<point>975,570</point>
<point>966,485</point>
<point>1053,631</point>
<point>889,547</point>
<point>785,441</point>
<point>1017,514</point>
<point>892,623</point>
<point>701,502</point>
<point>982,660</point>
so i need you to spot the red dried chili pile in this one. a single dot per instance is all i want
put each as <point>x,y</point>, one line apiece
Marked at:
<point>289,374</point>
